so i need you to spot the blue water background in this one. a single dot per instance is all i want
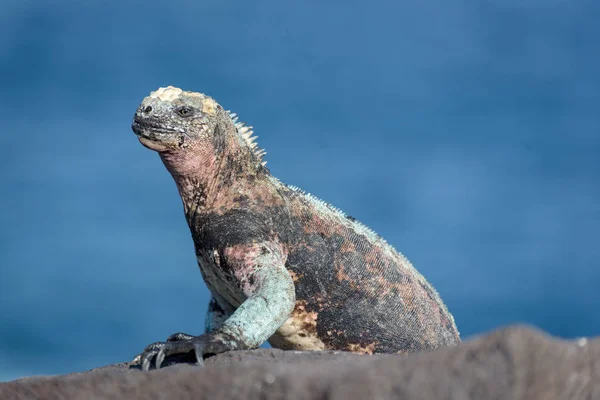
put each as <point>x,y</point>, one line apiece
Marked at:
<point>466,133</point>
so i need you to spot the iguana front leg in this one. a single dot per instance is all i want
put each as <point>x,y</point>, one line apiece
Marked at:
<point>260,272</point>
<point>216,314</point>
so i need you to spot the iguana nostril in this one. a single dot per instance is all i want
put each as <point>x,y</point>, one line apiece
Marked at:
<point>147,109</point>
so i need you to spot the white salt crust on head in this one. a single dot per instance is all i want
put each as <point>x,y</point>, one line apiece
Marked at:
<point>169,93</point>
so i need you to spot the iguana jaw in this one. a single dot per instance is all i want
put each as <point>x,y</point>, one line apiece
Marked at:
<point>155,137</point>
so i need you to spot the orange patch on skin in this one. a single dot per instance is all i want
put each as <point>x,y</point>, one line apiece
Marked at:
<point>357,348</point>
<point>308,318</point>
<point>299,332</point>
<point>342,276</point>
<point>347,246</point>
<point>295,276</point>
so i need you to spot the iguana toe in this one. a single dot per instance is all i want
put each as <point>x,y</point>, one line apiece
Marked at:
<point>179,336</point>
<point>181,344</point>
<point>146,356</point>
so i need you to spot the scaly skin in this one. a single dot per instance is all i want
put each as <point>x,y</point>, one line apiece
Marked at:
<point>281,265</point>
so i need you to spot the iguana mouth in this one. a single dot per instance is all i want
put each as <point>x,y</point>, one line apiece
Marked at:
<point>149,131</point>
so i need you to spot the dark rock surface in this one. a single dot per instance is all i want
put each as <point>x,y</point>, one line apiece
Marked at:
<point>513,363</point>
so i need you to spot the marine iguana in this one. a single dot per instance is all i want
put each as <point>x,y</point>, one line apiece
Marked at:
<point>281,264</point>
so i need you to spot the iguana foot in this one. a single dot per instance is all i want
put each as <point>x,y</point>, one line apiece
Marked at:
<point>182,343</point>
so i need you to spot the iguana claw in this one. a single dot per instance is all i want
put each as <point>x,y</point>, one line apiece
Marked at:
<point>182,343</point>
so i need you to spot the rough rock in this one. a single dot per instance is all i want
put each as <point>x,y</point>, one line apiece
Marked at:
<point>512,363</point>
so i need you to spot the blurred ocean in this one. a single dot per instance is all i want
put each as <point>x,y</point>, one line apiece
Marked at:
<point>466,133</point>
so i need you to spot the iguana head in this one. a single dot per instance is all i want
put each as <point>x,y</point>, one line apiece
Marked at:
<point>192,129</point>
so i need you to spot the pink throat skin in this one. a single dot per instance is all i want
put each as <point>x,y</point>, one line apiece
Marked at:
<point>191,163</point>
<point>204,178</point>
<point>194,171</point>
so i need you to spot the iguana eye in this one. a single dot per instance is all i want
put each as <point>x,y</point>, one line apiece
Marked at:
<point>185,111</point>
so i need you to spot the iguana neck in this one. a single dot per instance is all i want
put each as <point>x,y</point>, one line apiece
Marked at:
<point>203,175</point>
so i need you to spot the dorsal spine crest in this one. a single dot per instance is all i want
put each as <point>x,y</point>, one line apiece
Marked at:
<point>246,133</point>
